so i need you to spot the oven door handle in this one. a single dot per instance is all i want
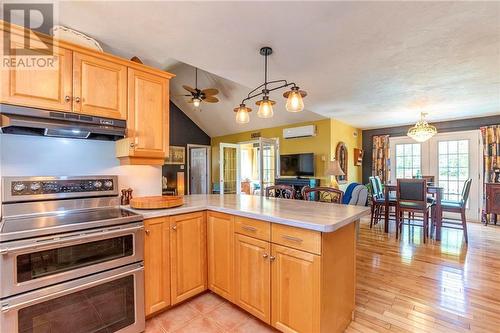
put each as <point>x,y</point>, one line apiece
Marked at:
<point>71,239</point>
<point>36,300</point>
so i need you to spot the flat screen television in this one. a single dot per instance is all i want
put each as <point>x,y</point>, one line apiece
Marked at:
<point>297,165</point>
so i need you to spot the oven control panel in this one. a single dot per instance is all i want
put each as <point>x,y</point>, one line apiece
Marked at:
<point>60,187</point>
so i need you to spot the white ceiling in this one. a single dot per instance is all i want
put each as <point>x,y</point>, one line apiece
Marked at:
<point>370,64</point>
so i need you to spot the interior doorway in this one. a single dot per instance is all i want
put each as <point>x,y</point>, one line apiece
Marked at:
<point>198,169</point>
<point>248,167</point>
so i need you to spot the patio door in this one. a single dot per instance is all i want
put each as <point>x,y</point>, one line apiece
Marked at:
<point>457,158</point>
<point>268,162</point>
<point>229,161</point>
<point>451,158</point>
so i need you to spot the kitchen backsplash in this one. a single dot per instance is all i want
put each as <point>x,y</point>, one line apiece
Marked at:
<point>41,156</point>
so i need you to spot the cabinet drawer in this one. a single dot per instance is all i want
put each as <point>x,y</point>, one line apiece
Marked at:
<point>253,228</point>
<point>297,238</point>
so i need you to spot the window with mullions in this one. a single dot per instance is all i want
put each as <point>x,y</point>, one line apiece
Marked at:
<point>408,160</point>
<point>453,158</point>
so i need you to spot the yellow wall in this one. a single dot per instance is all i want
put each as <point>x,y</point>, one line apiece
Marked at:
<point>328,133</point>
<point>343,132</point>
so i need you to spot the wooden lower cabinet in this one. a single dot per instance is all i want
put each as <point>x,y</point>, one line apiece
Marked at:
<point>292,289</point>
<point>296,285</point>
<point>252,276</point>
<point>157,264</point>
<point>188,254</point>
<point>220,230</point>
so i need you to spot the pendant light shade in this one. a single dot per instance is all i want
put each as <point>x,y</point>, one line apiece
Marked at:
<point>242,114</point>
<point>422,131</point>
<point>265,107</point>
<point>294,101</point>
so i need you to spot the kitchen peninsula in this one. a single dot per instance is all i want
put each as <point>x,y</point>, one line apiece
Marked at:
<point>289,263</point>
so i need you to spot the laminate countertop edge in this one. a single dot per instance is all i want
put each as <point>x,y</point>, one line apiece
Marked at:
<point>290,221</point>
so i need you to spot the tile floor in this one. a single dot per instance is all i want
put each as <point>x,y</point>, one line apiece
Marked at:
<point>207,313</point>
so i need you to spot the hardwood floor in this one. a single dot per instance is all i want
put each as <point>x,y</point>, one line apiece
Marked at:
<point>408,286</point>
<point>402,286</point>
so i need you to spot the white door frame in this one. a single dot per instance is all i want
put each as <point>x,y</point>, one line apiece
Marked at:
<point>221,165</point>
<point>209,166</point>
<point>475,166</point>
<point>270,141</point>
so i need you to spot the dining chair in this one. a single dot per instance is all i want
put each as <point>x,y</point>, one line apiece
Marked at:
<point>378,200</point>
<point>280,191</point>
<point>323,194</point>
<point>411,197</point>
<point>459,207</point>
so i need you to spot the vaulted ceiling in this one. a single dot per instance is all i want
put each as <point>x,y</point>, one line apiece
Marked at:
<point>370,64</point>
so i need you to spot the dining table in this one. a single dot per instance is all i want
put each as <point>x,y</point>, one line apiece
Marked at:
<point>436,191</point>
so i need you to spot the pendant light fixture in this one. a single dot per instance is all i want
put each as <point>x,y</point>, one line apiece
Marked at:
<point>422,131</point>
<point>242,116</point>
<point>294,97</point>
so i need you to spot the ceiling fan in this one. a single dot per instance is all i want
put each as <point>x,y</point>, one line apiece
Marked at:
<point>197,95</point>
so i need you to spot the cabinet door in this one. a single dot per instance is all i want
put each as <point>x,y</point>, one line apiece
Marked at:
<point>252,276</point>
<point>188,253</point>
<point>220,229</point>
<point>99,87</point>
<point>47,86</point>
<point>148,120</point>
<point>156,264</point>
<point>296,290</point>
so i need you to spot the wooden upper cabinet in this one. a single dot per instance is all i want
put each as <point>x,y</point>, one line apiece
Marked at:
<point>252,276</point>
<point>157,264</point>
<point>188,251</point>
<point>148,119</point>
<point>47,87</point>
<point>220,233</point>
<point>99,87</point>
<point>296,281</point>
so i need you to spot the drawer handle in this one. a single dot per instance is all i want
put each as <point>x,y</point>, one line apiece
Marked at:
<point>249,228</point>
<point>292,239</point>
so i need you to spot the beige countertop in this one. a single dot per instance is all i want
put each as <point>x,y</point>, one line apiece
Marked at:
<point>319,216</point>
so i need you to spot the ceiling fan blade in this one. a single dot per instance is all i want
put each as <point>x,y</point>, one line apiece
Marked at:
<point>188,88</point>
<point>211,99</point>
<point>190,101</point>
<point>210,91</point>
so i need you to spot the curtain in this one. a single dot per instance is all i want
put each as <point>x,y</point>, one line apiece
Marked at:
<point>380,157</point>
<point>491,150</point>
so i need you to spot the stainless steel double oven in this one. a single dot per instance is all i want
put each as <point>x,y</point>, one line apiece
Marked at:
<point>71,260</point>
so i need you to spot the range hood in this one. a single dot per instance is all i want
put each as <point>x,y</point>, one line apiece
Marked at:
<point>31,121</point>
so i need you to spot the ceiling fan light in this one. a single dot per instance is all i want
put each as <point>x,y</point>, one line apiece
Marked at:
<point>265,108</point>
<point>294,101</point>
<point>196,102</point>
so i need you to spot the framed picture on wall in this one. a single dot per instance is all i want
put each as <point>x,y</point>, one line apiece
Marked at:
<point>176,155</point>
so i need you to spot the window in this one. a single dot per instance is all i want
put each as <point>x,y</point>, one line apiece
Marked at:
<point>408,160</point>
<point>453,167</point>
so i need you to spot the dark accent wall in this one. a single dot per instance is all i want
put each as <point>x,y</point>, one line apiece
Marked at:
<point>183,131</point>
<point>442,127</point>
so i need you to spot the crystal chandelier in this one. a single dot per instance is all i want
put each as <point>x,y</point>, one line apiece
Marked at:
<point>422,131</point>
<point>294,97</point>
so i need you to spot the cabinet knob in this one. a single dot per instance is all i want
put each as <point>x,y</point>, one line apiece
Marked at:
<point>174,227</point>
<point>77,99</point>
<point>67,99</point>
<point>265,255</point>
<point>132,145</point>
<point>147,231</point>
<point>272,258</point>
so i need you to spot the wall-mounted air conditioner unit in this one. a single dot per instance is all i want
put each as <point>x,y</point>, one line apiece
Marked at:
<point>299,132</point>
